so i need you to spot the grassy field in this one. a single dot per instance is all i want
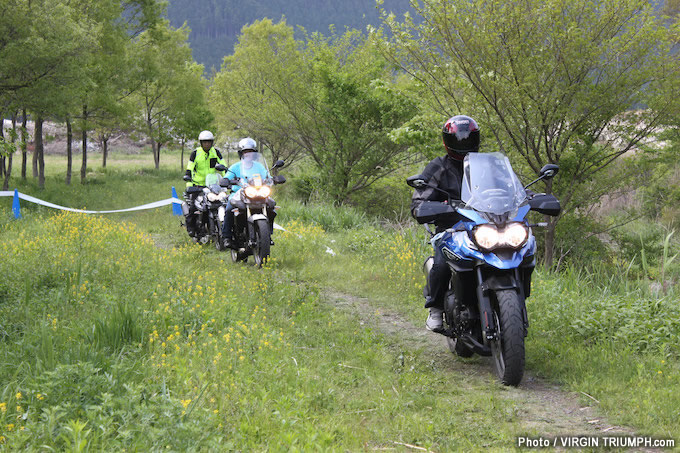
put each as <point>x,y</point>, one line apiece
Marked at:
<point>118,333</point>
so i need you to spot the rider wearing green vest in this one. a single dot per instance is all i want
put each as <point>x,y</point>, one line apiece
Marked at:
<point>201,163</point>
<point>203,160</point>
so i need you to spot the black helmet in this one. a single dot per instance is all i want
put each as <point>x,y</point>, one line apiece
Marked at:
<point>461,136</point>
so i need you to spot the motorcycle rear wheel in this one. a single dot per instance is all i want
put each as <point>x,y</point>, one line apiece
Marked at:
<point>508,350</point>
<point>262,242</point>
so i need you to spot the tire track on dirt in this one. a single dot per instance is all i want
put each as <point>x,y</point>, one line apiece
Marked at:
<point>540,406</point>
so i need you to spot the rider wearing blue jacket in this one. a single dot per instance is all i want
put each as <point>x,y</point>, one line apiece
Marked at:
<point>244,168</point>
<point>461,136</point>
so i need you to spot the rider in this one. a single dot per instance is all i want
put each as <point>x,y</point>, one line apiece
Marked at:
<point>246,165</point>
<point>461,136</point>
<point>201,163</point>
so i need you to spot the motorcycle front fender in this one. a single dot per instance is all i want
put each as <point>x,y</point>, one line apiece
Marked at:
<point>256,217</point>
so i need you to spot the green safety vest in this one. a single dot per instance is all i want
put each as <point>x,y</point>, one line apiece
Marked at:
<point>202,164</point>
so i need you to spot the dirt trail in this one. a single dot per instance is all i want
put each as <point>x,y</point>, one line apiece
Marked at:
<point>544,408</point>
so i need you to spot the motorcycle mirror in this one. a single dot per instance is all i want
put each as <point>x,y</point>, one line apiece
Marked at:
<point>279,179</point>
<point>220,167</point>
<point>278,164</point>
<point>548,171</point>
<point>416,181</point>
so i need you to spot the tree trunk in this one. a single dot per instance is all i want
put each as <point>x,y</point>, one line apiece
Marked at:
<point>83,167</point>
<point>550,243</point>
<point>105,149</point>
<point>39,151</point>
<point>549,251</point>
<point>157,160</point>
<point>35,146</point>
<point>181,158</point>
<point>10,158</point>
<point>69,151</point>
<point>8,172</point>
<point>2,138</point>
<point>23,144</point>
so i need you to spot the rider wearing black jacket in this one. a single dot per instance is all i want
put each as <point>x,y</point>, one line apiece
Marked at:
<point>461,136</point>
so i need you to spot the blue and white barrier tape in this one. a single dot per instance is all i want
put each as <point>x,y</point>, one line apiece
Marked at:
<point>156,204</point>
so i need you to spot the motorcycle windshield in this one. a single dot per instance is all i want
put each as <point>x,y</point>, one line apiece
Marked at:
<point>212,180</point>
<point>253,164</point>
<point>490,185</point>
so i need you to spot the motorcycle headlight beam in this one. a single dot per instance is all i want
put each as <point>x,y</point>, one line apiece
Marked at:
<point>489,237</point>
<point>515,235</point>
<point>486,237</point>
<point>257,192</point>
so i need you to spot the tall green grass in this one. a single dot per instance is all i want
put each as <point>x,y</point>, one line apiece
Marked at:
<point>128,336</point>
<point>111,342</point>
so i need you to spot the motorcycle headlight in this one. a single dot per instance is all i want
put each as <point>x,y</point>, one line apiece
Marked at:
<point>489,237</point>
<point>213,197</point>
<point>251,192</point>
<point>486,236</point>
<point>515,235</point>
<point>257,192</point>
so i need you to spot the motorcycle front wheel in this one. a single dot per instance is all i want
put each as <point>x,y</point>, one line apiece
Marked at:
<point>236,256</point>
<point>262,242</point>
<point>508,350</point>
<point>217,236</point>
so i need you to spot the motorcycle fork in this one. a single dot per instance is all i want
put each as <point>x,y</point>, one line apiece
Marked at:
<point>489,328</point>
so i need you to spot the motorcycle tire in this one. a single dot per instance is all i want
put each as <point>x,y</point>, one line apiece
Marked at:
<point>262,242</point>
<point>217,237</point>
<point>237,256</point>
<point>508,350</point>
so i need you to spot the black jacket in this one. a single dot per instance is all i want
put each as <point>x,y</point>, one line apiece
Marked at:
<point>445,173</point>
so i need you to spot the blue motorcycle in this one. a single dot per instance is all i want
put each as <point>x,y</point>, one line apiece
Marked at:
<point>491,251</point>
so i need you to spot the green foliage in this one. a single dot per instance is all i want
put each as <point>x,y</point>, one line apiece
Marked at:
<point>171,93</point>
<point>332,97</point>
<point>554,80</point>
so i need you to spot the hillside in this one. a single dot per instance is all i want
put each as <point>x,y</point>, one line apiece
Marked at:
<point>216,24</point>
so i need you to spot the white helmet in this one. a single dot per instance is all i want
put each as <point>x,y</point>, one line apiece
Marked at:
<point>246,143</point>
<point>206,136</point>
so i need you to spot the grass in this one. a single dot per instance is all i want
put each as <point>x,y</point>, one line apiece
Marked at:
<point>117,333</point>
<point>110,342</point>
<point>125,336</point>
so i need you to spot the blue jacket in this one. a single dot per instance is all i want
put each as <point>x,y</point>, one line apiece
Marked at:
<point>235,171</point>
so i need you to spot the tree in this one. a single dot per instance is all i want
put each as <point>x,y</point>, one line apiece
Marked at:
<point>332,97</point>
<point>554,80</point>
<point>170,83</point>
<point>253,91</point>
